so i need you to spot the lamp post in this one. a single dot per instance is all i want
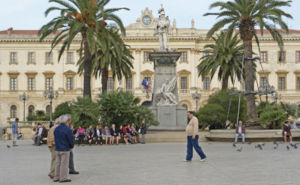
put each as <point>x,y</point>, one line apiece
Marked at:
<point>196,96</point>
<point>276,96</point>
<point>50,95</point>
<point>266,90</point>
<point>24,97</point>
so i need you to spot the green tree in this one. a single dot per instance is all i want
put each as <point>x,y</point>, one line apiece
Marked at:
<point>220,107</point>
<point>224,56</point>
<point>63,108</point>
<point>123,108</point>
<point>80,17</point>
<point>114,54</point>
<point>272,116</point>
<point>85,112</point>
<point>246,15</point>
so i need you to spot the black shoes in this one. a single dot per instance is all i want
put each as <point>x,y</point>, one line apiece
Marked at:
<point>74,173</point>
<point>66,180</point>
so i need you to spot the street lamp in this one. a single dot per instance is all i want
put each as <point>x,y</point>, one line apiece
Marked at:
<point>196,96</point>
<point>276,96</point>
<point>24,97</point>
<point>266,90</point>
<point>50,95</point>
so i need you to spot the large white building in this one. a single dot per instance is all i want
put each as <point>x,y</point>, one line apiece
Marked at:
<point>26,66</point>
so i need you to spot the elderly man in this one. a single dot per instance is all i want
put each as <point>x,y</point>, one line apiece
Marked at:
<point>51,145</point>
<point>64,142</point>
<point>192,138</point>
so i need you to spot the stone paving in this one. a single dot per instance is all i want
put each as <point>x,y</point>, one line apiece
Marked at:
<point>155,164</point>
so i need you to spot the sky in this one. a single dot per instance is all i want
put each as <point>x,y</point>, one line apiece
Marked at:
<point>29,14</point>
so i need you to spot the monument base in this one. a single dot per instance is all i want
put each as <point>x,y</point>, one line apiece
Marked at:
<point>172,117</point>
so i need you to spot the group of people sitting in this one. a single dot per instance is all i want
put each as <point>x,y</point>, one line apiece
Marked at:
<point>111,136</point>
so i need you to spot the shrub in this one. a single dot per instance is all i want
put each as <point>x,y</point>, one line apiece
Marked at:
<point>214,113</point>
<point>61,109</point>
<point>84,112</point>
<point>272,116</point>
<point>122,108</point>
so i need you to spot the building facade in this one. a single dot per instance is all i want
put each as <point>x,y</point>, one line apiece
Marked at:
<point>26,65</point>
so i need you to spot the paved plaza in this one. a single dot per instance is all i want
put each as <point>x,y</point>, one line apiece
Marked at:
<point>155,164</point>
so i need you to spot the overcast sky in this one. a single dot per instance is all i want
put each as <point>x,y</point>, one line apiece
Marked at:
<point>29,14</point>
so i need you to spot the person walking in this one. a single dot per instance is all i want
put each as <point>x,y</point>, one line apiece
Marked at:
<point>15,129</point>
<point>64,142</point>
<point>143,131</point>
<point>192,138</point>
<point>51,146</point>
<point>72,170</point>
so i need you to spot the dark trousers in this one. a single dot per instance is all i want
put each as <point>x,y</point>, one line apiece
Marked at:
<point>193,143</point>
<point>71,162</point>
<point>81,139</point>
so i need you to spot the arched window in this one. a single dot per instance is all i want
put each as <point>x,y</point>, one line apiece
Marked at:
<point>13,111</point>
<point>185,106</point>
<point>30,109</point>
<point>48,109</point>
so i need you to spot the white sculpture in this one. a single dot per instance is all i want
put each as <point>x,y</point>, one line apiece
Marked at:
<point>165,95</point>
<point>162,29</point>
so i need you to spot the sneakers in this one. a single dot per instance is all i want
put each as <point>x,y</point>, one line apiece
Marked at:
<point>187,161</point>
<point>203,160</point>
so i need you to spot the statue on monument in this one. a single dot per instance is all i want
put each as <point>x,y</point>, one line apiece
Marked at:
<point>162,29</point>
<point>165,95</point>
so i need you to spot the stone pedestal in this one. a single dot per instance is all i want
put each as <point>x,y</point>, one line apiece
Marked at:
<point>170,117</point>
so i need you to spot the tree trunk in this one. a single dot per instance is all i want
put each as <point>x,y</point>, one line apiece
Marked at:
<point>249,82</point>
<point>87,68</point>
<point>104,80</point>
<point>225,82</point>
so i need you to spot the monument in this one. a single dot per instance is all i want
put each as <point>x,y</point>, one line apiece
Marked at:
<point>165,106</point>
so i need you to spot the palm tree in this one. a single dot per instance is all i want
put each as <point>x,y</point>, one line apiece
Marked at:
<point>80,17</point>
<point>223,56</point>
<point>246,15</point>
<point>112,53</point>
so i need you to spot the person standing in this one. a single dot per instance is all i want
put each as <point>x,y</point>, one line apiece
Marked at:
<point>286,132</point>
<point>51,146</point>
<point>192,138</point>
<point>14,129</point>
<point>143,131</point>
<point>64,142</point>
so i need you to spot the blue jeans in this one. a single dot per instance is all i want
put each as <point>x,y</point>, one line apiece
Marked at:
<point>193,143</point>
<point>237,136</point>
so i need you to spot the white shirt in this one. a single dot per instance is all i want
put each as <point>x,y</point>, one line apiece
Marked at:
<point>98,132</point>
<point>40,131</point>
<point>240,129</point>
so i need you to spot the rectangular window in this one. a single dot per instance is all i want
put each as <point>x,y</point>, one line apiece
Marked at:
<point>263,82</point>
<point>129,84</point>
<point>297,56</point>
<point>110,83</point>
<point>13,57</point>
<point>31,58</point>
<point>264,56</point>
<point>206,83</point>
<point>70,84</point>
<point>146,57</point>
<point>31,84</point>
<point>183,57</point>
<point>281,57</point>
<point>49,83</point>
<point>13,84</point>
<point>183,83</point>
<point>298,83</point>
<point>281,83</point>
<point>70,57</point>
<point>48,58</point>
